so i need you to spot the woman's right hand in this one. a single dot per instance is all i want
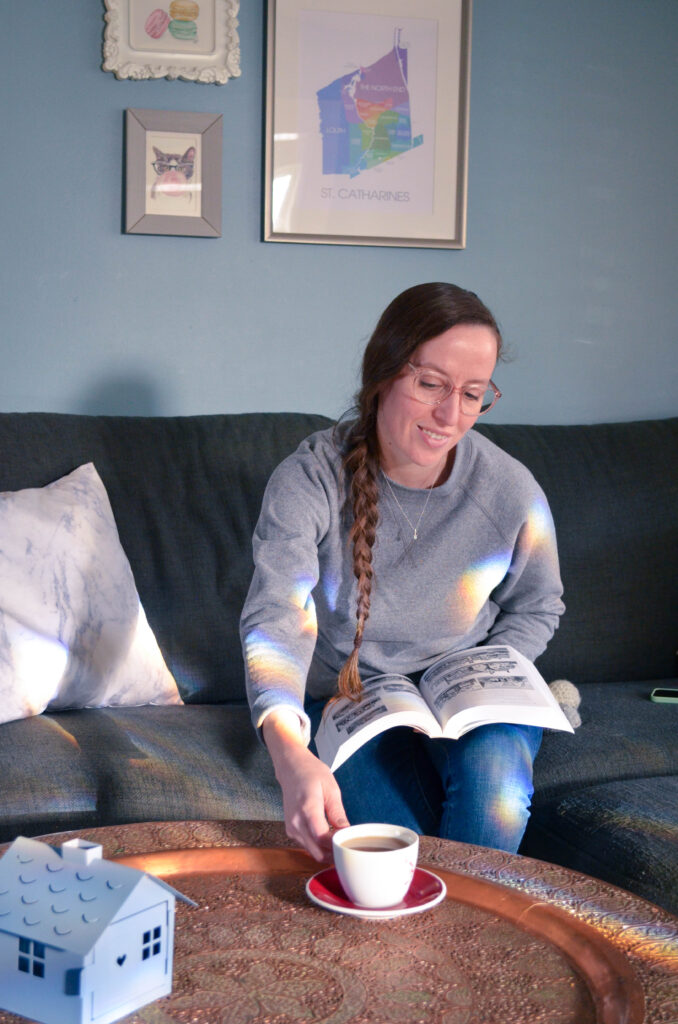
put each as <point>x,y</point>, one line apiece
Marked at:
<point>311,797</point>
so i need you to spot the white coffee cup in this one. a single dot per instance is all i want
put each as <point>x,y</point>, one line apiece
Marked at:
<point>375,863</point>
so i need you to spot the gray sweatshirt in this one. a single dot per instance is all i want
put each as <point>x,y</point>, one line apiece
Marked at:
<point>483,569</point>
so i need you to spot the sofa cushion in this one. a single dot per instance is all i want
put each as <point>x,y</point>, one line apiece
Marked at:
<point>613,491</point>
<point>72,630</point>
<point>605,798</point>
<point>623,735</point>
<point>186,494</point>
<point>624,832</point>
<point>75,769</point>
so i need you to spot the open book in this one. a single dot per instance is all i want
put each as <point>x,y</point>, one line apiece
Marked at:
<point>456,694</point>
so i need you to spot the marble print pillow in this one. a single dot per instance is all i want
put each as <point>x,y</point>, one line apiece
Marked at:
<point>73,633</point>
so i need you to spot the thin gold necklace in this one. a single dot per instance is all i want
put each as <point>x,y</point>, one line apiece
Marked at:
<point>415,529</point>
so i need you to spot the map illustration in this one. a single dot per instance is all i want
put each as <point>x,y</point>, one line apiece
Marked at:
<point>365,115</point>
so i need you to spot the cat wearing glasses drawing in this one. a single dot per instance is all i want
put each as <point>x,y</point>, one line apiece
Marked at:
<point>174,173</point>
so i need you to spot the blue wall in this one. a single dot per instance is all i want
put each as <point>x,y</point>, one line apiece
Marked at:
<point>571,229</point>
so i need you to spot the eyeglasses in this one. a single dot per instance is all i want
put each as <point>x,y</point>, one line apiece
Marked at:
<point>184,167</point>
<point>432,388</point>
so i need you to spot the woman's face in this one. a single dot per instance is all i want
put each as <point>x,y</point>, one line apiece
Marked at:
<point>415,440</point>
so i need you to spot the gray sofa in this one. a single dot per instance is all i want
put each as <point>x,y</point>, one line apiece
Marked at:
<point>185,494</point>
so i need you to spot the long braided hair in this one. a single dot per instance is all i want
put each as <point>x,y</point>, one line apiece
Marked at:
<point>415,316</point>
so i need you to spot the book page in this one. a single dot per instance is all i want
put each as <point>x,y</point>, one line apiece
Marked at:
<point>387,701</point>
<point>489,684</point>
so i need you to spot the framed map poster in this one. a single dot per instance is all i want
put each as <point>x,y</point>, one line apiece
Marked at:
<point>367,122</point>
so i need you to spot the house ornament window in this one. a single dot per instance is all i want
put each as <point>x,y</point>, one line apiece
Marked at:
<point>32,957</point>
<point>151,944</point>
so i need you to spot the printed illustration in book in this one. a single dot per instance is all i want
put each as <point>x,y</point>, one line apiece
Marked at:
<point>456,694</point>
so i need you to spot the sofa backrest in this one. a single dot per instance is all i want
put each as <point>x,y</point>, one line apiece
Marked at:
<point>613,492</point>
<point>186,494</point>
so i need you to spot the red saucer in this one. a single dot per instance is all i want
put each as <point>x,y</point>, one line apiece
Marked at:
<point>425,891</point>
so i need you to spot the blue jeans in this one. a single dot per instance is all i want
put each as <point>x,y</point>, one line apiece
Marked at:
<point>476,789</point>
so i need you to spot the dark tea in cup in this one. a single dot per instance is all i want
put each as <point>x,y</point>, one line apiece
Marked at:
<point>371,844</point>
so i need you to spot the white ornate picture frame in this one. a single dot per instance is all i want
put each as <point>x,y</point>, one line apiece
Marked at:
<point>196,40</point>
<point>367,113</point>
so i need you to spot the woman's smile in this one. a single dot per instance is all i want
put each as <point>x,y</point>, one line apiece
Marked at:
<point>434,437</point>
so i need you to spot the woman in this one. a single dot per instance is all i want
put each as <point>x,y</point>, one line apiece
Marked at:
<point>382,545</point>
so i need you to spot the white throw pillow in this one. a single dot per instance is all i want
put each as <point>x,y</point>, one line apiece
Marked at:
<point>73,633</point>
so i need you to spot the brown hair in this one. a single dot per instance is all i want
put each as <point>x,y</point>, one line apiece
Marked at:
<point>415,316</point>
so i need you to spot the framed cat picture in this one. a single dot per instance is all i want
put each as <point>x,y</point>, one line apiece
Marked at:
<point>173,173</point>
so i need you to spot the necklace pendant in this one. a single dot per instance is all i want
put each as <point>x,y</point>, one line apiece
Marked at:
<point>415,529</point>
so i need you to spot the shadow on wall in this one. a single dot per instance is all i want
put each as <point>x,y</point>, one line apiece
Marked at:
<point>124,395</point>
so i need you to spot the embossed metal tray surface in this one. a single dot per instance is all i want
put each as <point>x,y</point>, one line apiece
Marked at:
<point>256,950</point>
<point>517,940</point>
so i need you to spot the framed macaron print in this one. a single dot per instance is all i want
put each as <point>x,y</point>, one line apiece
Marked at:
<point>196,40</point>
<point>173,173</point>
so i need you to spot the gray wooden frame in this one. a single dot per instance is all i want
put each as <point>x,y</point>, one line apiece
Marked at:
<point>209,126</point>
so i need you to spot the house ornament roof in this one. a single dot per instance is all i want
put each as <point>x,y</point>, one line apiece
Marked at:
<point>64,897</point>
